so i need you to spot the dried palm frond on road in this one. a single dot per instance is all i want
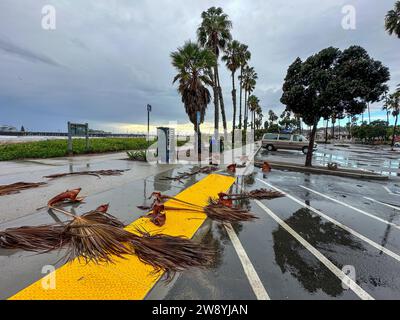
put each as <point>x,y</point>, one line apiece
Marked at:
<point>97,173</point>
<point>170,254</point>
<point>37,238</point>
<point>18,187</point>
<point>215,210</point>
<point>258,194</point>
<point>186,175</point>
<point>69,196</point>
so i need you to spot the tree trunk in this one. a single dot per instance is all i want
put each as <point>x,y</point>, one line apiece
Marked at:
<point>245,110</point>
<point>221,100</point>
<point>369,115</point>
<point>216,102</point>
<point>311,145</point>
<point>234,109</point>
<point>326,132</point>
<point>394,132</point>
<point>241,98</point>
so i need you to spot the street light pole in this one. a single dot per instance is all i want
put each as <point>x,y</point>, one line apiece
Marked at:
<point>148,121</point>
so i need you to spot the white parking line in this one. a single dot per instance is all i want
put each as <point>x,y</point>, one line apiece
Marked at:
<point>382,203</point>
<point>353,208</point>
<point>248,267</point>
<point>390,191</point>
<point>335,270</point>
<point>351,231</point>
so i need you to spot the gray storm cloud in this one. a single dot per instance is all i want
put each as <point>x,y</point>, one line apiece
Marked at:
<point>115,54</point>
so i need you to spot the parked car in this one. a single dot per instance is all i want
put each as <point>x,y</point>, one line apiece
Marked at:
<point>275,141</point>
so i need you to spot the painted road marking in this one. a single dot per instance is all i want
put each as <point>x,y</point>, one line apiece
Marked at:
<point>382,203</point>
<point>128,279</point>
<point>390,191</point>
<point>335,270</point>
<point>353,208</point>
<point>248,267</point>
<point>351,231</point>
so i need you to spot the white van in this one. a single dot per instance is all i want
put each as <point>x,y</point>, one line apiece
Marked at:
<point>275,141</point>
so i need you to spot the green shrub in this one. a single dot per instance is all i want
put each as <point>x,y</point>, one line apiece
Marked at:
<point>58,147</point>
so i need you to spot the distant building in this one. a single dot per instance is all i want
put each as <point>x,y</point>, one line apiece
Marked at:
<point>6,128</point>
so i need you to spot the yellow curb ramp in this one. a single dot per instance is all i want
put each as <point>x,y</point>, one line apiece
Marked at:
<point>128,279</point>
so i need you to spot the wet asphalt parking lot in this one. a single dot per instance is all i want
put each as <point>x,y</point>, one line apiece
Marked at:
<point>301,247</point>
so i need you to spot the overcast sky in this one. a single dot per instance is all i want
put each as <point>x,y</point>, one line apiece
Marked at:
<point>108,58</point>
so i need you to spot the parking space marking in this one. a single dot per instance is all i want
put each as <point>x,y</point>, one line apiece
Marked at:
<point>251,273</point>
<point>360,292</point>
<point>353,208</point>
<point>382,203</point>
<point>390,191</point>
<point>348,229</point>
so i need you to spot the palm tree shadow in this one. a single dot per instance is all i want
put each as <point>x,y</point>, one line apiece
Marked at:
<point>292,257</point>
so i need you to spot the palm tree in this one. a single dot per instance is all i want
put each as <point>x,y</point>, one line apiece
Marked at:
<point>244,58</point>
<point>231,59</point>
<point>392,20</point>
<point>214,34</point>
<point>260,116</point>
<point>393,104</point>
<point>248,79</point>
<point>194,75</point>
<point>254,104</point>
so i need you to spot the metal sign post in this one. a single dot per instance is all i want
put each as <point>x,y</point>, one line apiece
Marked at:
<point>148,121</point>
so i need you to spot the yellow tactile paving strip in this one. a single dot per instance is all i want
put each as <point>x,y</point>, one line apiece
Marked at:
<point>127,279</point>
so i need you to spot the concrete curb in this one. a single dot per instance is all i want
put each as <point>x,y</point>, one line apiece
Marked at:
<point>348,173</point>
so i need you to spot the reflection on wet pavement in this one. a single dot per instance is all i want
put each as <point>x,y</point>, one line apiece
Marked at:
<point>290,254</point>
<point>371,158</point>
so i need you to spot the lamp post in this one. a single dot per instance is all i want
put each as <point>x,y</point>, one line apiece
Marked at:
<point>148,122</point>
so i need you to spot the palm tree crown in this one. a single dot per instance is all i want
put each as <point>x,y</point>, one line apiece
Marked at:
<point>193,65</point>
<point>392,20</point>
<point>214,31</point>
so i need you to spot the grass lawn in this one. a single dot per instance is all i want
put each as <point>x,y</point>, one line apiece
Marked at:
<point>58,148</point>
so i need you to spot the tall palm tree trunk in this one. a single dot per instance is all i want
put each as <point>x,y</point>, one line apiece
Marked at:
<point>234,108</point>
<point>245,110</point>
<point>240,98</point>
<point>221,101</point>
<point>394,132</point>
<point>216,103</point>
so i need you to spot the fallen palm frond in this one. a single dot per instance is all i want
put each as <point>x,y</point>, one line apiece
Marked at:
<point>17,187</point>
<point>52,236</point>
<point>96,237</point>
<point>258,194</point>
<point>67,196</point>
<point>97,174</point>
<point>222,213</point>
<point>216,210</point>
<point>37,238</point>
<point>170,254</point>
<point>186,175</point>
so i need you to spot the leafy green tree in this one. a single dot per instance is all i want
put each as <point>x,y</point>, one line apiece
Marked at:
<point>193,65</point>
<point>392,20</point>
<point>332,82</point>
<point>214,34</point>
<point>232,61</point>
